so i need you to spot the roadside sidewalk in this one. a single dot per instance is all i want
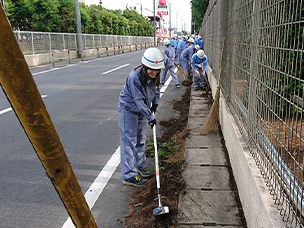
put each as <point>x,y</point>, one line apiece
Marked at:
<point>211,198</point>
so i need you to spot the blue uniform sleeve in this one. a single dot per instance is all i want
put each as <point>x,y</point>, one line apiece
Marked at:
<point>139,99</point>
<point>193,60</point>
<point>157,96</point>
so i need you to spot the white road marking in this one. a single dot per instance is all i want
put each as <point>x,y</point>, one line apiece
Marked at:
<point>50,70</point>
<point>105,175</point>
<point>98,185</point>
<point>116,68</point>
<point>10,109</point>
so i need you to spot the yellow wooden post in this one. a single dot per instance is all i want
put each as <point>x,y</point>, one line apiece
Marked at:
<point>21,91</point>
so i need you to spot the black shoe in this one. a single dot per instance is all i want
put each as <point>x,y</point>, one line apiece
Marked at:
<point>196,88</point>
<point>144,172</point>
<point>177,86</point>
<point>134,181</point>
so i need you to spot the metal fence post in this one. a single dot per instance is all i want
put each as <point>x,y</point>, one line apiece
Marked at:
<point>33,50</point>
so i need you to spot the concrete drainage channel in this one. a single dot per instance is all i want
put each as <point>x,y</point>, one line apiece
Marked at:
<point>211,197</point>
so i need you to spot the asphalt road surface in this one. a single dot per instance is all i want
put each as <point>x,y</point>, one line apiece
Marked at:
<point>81,99</point>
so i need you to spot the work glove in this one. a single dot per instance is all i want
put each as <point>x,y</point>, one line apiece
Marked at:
<point>199,66</point>
<point>152,123</point>
<point>153,108</point>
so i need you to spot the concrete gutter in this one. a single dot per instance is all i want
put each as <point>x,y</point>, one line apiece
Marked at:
<point>258,205</point>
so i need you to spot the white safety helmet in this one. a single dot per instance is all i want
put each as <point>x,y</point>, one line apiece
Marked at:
<point>190,40</point>
<point>200,54</point>
<point>153,58</point>
<point>166,42</point>
<point>199,37</point>
<point>197,47</point>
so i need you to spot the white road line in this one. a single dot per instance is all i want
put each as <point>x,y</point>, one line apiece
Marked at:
<point>105,175</point>
<point>10,109</point>
<point>5,110</point>
<point>116,68</point>
<point>98,185</point>
<point>163,89</point>
<point>50,70</point>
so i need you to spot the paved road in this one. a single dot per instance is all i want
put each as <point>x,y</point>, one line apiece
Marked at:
<point>82,101</point>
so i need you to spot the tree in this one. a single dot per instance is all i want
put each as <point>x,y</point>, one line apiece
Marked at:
<point>18,14</point>
<point>44,14</point>
<point>59,16</point>
<point>67,16</point>
<point>199,8</point>
<point>85,18</point>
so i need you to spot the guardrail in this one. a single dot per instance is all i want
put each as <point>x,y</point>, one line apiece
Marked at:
<point>89,48</point>
<point>115,49</point>
<point>60,58</point>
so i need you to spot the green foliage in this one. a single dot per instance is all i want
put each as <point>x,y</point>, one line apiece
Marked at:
<point>59,16</point>
<point>163,150</point>
<point>18,14</point>
<point>67,14</point>
<point>199,8</point>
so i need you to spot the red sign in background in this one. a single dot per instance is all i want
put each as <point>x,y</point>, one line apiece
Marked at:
<point>162,12</point>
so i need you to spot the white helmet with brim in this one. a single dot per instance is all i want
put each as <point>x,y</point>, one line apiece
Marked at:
<point>153,58</point>
<point>200,54</point>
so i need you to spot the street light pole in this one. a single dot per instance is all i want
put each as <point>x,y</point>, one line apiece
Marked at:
<point>192,20</point>
<point>78,26</point>
<point>170,19</point>
<point>154,21</point>
<point>100,2</point>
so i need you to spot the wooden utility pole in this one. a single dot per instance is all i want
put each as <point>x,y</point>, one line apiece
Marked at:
<point>21,91</point>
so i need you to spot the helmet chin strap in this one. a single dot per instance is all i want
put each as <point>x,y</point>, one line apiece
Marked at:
<point>145,71</point>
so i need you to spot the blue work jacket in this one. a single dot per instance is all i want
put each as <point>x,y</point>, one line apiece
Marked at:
<point>169,56</point>
<point>195,60</point>
<point>137,98</point>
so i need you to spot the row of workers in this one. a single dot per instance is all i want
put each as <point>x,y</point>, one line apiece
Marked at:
<point>139,100</point>
<point>190,57</point>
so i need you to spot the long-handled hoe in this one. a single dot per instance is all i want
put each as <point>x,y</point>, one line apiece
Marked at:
<point>160,209</point>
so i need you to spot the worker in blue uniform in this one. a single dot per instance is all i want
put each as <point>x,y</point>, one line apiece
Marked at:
<point>189,43</point>
<point>199,62</point>
<point>180,47</point>
<point>186,57</point>
<point>169,59</point>
<point>198,40</point>
<point>138,101</point>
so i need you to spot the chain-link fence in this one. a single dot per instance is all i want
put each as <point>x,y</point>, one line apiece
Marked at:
<point>263,82</point>
<point>44,42</point>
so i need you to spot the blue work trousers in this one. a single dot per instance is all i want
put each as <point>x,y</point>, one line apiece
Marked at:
<point>132,129</point>
<point>178,53</point>
<point>194,78</point>
<point>171,68</point>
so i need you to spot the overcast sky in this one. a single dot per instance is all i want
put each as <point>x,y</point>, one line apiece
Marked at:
<point>180,9</point>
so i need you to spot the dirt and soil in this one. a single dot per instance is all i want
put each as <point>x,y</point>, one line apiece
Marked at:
<point>144,199</point>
